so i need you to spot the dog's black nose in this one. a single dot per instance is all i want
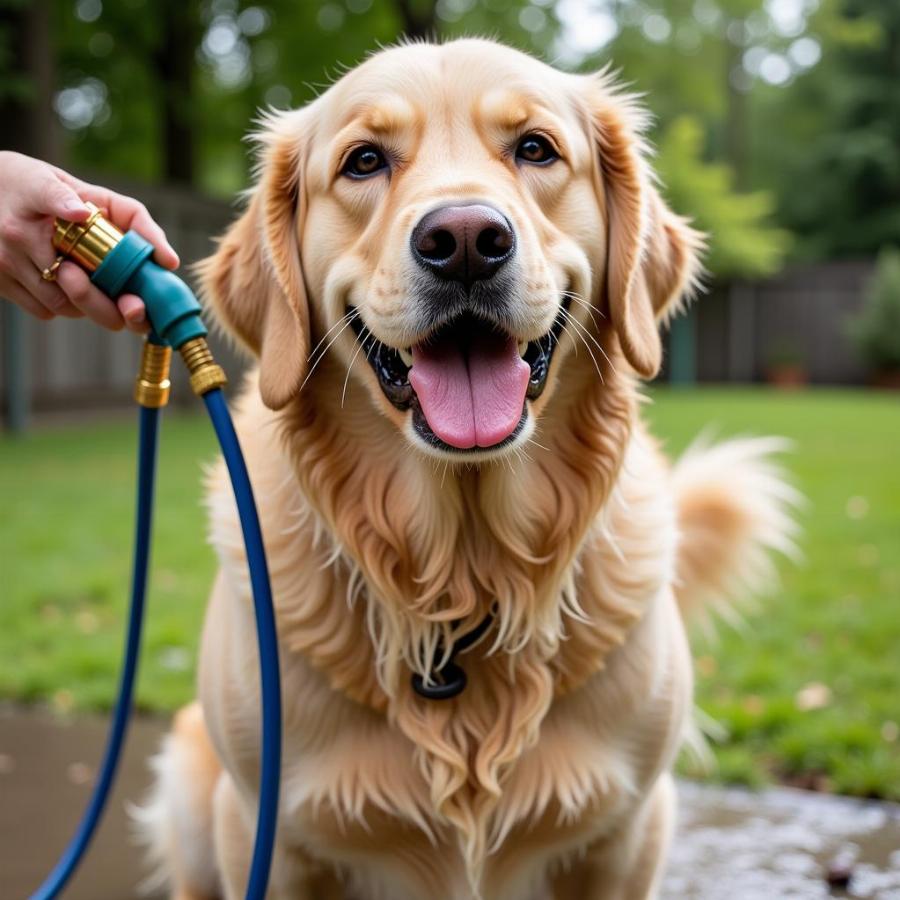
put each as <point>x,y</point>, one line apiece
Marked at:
<point>463,243</point>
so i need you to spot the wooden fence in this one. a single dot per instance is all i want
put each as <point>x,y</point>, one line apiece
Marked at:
<point>741,330</point>
<point>737,330</point>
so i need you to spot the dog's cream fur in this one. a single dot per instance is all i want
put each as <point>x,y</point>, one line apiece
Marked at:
<point>549,776</point>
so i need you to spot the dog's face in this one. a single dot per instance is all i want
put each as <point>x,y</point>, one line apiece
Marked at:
<point>449,221</point>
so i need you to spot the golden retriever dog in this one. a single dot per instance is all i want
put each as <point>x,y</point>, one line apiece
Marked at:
<point>452,271</point>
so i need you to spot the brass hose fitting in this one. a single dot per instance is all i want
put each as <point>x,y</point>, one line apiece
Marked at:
<point>119,262</point>
<point>205,373</point>
<point>152,385</point>
<point>86,243</point>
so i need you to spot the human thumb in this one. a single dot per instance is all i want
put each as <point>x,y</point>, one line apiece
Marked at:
<point>57,199</point>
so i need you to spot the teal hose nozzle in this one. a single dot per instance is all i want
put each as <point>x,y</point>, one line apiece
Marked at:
<point>120,263</point>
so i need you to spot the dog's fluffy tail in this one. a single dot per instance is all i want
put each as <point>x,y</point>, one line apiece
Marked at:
<point>735,512</point>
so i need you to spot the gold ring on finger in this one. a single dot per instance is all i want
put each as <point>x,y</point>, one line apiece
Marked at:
<point>49,274</point>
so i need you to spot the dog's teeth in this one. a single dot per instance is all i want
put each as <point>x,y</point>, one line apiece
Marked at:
<point>406,356</point>
<point>523,348</point>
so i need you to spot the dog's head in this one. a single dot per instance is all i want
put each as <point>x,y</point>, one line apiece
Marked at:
<point>455,220</point>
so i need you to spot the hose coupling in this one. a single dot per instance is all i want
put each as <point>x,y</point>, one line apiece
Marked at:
<point>87,243</point>
<point>206,374</point>
<point>152,385</point>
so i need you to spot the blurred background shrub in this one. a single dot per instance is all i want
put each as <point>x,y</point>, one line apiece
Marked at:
<point>876,329</point>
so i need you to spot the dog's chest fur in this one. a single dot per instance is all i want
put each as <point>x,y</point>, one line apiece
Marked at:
<point>529,755</point>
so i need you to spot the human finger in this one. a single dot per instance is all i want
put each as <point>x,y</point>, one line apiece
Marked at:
<point>127,213</point>
<point>16,293</point>
<point>45,194</point>
<point>93,303</point>
<point>134,313</point>
<point>30,273</point>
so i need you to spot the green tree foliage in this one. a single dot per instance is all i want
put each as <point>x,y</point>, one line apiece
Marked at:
<point>687,58</point>
<point>835,163</point>
<point>242,57</point>
<point>110,101</point>
<point>798,97</point>
<point>742,240</point>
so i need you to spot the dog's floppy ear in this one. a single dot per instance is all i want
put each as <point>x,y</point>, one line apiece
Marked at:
<point>652,255</point>
<point>254,281</point>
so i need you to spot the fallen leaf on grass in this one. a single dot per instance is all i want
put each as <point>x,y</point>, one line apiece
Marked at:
<point>814,695</point>
<point>87,621</point>
<point>706,666</point>
<point>754,705</point>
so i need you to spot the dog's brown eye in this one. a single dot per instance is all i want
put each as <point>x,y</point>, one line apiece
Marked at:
<point>364,161</point>
<point>534,148</point>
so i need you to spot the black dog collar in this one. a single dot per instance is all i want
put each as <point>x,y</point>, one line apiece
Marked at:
<point>450,680</point>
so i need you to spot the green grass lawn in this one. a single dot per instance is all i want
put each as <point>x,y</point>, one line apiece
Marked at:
<point>808,691</point>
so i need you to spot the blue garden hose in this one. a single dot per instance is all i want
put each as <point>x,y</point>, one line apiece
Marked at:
<point>71,857</point>
<point>267,641</point>
<point>121,263</point>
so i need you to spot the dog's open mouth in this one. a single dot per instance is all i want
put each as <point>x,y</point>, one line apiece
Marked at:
<point>467,383</point>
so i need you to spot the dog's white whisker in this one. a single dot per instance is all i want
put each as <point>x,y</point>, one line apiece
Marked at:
<point>591,309</point>
<point>362,341</point>
<point>349,315</point>
<point>572,333</point>
<point>581,331</point>
<point>582,299</point>
<point>596,343</point>
<point>322,354</point>
<point>325,350</point>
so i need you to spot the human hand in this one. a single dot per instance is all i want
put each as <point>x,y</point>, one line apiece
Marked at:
<point>32,193</point>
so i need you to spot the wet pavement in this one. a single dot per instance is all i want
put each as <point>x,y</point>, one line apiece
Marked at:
<point>47,767</point>
<point>731,844</point>
<point>734,844</point>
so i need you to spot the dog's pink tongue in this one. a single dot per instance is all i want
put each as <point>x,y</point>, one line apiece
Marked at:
<point>499,380</point>
<point>471,402</point>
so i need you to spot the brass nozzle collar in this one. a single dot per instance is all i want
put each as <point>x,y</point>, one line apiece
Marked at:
<point>86,243</point>
<point>152,385</point>
<point>206,374</point>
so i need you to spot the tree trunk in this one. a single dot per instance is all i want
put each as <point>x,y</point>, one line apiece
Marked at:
<point>419,19</point>
<point>26,110</point>
<point>29,126</point>
<point>181,32</point>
